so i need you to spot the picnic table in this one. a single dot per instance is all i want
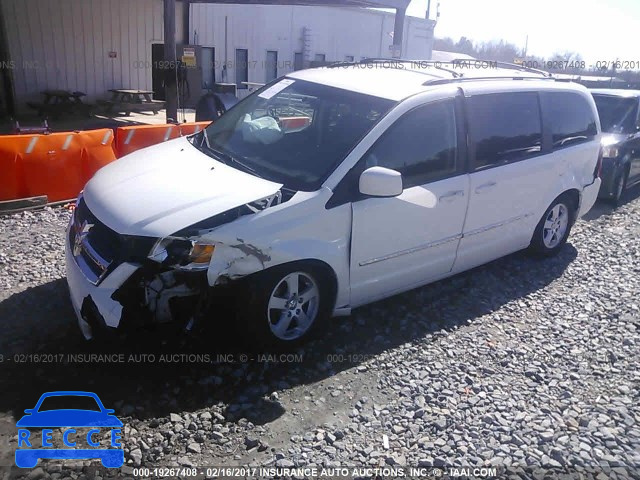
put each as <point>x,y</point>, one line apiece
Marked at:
<point>127,101</point>
<point>57,102</point>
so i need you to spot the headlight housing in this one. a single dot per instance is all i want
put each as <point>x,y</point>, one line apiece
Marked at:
<point>182,253</point>
<point>610,151</point>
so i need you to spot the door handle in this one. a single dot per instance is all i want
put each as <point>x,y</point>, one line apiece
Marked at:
<point>452,194</point>
<point>486,186</point>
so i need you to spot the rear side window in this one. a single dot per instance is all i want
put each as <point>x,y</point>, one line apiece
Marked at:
<point>421,145</point>
<point>505,127</point>
<point>570,117</point>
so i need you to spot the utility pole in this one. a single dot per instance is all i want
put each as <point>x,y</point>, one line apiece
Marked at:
<point>170,83</point>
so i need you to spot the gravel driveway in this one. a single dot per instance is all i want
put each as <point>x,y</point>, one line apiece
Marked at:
<point>520,363</point>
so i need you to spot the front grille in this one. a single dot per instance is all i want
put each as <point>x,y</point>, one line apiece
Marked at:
<point>106,242</point>
<point>98,249</point>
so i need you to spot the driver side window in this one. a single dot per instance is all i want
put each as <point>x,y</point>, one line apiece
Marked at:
<point>421,145</point>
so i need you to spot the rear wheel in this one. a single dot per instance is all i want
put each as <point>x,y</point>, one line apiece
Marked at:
<point>554,227</point>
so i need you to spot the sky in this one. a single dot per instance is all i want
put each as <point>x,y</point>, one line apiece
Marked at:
<point>597,29</point>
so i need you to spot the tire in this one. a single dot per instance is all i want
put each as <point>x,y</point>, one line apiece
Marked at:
<point>554,227</point>
<point>619,185</point>
<point>274,311</point>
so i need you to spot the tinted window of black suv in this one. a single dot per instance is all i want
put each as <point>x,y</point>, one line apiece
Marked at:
<point>570,118</point>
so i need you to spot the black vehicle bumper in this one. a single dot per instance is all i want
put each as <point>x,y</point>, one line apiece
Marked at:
<point>610,169</point>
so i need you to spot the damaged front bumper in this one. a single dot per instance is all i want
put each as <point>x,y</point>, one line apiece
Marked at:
<point>90,301</point>
<point>119,281</point>
<point>110,293</point>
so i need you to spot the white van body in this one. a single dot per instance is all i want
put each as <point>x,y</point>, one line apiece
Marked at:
<point>372,230</point>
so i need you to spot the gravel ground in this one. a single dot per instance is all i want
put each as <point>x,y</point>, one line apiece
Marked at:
<point>523,363</point>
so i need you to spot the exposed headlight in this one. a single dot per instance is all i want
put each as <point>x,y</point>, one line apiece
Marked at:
<point>182,253</point>
<point>610,151</point>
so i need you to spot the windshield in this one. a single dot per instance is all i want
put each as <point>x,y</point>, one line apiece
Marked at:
<point>617,114</point>
<point>294,132</point>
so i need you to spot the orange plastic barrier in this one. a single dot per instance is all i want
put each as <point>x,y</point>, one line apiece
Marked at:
<point>59,164</point>
<point>294,123</point>
<point>11,172</point>
<point>52,165</point>
<point>192,127</point>
<point>130,139</point>
<point>97,151</point>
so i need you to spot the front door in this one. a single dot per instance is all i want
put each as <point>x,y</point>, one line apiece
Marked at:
<point>402,242</point>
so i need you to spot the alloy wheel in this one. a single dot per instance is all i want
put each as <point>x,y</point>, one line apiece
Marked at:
<point>293,306</point>
<point>555,225</point>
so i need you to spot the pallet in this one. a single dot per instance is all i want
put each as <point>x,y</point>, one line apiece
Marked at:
<point>8,207</point>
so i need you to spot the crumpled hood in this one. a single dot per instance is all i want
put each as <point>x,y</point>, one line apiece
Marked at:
<point>159,190</point>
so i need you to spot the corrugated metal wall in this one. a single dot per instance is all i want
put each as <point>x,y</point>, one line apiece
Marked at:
<point>65,44</point>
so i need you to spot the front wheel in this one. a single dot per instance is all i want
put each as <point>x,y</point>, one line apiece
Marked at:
<point>619,186</point>
<point>284,305</point>
<point>554,227</point>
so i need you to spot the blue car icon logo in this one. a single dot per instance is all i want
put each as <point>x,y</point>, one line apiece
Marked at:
<point>32,447</point>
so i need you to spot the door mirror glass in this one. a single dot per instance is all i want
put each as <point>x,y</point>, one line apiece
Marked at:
<point>380,182</point>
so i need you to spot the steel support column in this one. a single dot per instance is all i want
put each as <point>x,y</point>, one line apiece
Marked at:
<point>170,84</point>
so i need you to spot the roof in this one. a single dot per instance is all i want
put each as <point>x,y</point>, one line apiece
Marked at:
<point>394,84</point>
<point>618,92</point>
<point>326,3</point>
<point>398,79</point>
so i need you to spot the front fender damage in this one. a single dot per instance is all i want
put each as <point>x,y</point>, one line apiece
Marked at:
<point>235,259</point>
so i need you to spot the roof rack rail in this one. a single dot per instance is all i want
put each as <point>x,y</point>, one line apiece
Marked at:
<point>392,61</point>
<point>442,81</point>
<point>498,63</point>
<point>457,76</point>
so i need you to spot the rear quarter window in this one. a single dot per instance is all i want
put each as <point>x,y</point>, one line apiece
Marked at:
<point>570,118</point>
<point>505,127</point>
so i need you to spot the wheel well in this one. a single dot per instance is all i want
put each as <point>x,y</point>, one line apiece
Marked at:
<point>574,197</point>
<point>328,274</point>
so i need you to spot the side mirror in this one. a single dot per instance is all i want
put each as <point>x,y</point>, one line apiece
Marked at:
<point>380,182</point>
<point>29,411</point>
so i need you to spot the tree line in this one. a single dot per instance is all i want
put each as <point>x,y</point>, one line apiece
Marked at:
<point>560,62</point>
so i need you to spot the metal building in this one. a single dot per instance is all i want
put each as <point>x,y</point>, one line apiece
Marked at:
<point>96,45</point>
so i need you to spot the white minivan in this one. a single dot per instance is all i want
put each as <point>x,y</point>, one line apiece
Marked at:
<point>331,188</point>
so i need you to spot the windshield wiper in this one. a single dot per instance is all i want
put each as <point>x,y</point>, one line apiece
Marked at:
<point>203,141</point>
<point>221,155</point>
<point>231,159</point>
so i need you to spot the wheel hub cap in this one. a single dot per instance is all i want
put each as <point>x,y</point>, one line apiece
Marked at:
<point>293,306</point>
<point>555,225</point>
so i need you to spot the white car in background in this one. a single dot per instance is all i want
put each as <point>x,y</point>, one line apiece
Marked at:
<point>332,188</point>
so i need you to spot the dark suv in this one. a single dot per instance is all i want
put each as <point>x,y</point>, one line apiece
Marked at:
<point>620,120</point>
